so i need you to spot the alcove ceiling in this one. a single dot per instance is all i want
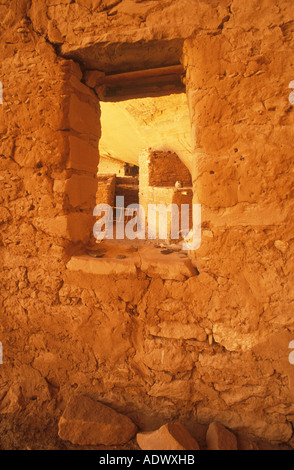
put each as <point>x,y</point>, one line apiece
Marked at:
<point>160,123</point>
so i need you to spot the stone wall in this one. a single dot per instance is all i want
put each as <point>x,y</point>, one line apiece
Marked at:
<point>165,169</point>
<point>111,166</point>
<point>158,173</point>
<point>128,187</point>
<point>106,189</point>
<point>212,347</point>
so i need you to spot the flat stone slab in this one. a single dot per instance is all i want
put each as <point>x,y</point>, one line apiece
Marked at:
<point>123,259</point>
<point>89,422</point>
<point>168,267</point>
<point>171,436</point>
<point>103,266</point>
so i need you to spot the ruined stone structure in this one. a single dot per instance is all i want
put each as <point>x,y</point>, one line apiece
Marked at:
<point>211,344</point>
<point>111,166</point>
<point>159,173</point>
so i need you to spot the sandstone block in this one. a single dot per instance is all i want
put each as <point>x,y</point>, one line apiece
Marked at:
<point>81,190</point>
<point>75,226</point>
<point>82,155</point>
<point>89,422</point>
<point>220,438</point>
<point>177,330</point>
<point>103,267</point>
<point>172,268</point>
<point>171,436</point>
<point>83,117</point>
<point>92,77</point>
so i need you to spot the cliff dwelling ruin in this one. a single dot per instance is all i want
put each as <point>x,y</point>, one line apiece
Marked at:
<point>140,343</point>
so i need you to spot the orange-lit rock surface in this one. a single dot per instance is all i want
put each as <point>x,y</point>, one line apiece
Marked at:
<point>171,436</point>
<point>88,422</point>
<point>160,122</point>
<point>220,438</point>
<point>118,337</point>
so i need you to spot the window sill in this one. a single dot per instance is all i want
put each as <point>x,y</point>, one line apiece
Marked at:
<point>146,259</point>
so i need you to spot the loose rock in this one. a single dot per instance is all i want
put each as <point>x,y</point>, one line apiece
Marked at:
<point>220,438</point>
<point>89,422</point>
<point>171,436</point>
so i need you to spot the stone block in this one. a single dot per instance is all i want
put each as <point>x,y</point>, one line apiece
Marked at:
<point>75,226</point>
<point>220,438</point>
<point>89,422</point>
<point>172,268</point>
<point>83,117</point>
<point>81,191</point>
<point>82,155</point>
<point>92,77</point>
<point>171,436</point>
<point>103,266</point>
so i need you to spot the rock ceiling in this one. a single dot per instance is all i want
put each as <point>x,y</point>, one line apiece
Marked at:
<point>160,123</point>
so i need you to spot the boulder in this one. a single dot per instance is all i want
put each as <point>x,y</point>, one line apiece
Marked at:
<point>220,438</point>
<point>89,422</point>
<point>171,436</point>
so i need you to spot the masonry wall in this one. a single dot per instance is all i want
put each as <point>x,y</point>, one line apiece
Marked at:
<point>128,187</point>
<point>49,128</point>
<point>212,347</point>
<point>165,169</point>
<point>242,126</point>
<point>158,173</point>
<point>106,189</point>
<point>111,166</point>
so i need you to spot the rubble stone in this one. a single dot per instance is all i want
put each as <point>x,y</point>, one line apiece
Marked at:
<point>88,422</point>
<point>220,438</point>
<point>171,436</point>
